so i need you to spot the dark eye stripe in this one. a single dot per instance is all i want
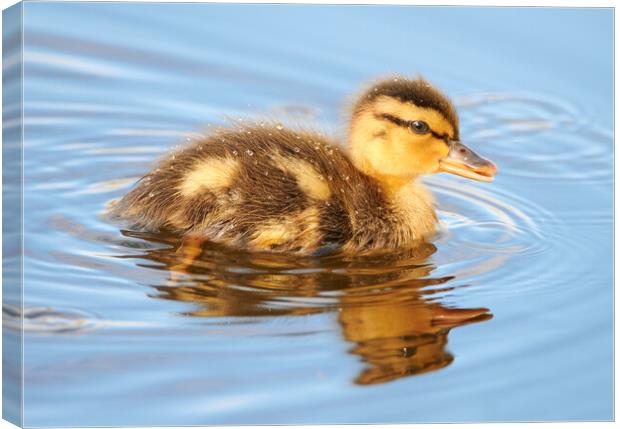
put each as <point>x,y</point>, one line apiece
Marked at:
<point>445,137</point>
<point>406,124</point>
<point>393,119</point>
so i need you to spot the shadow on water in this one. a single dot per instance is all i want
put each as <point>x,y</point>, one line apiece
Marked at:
<point>384,301</point>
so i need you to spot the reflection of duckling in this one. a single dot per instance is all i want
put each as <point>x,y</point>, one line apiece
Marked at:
<point>264,187</point>
<point>383,300</point>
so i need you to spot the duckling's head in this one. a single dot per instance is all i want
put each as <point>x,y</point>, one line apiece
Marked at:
<point>404,128</point>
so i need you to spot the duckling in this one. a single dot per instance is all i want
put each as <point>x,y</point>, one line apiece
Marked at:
<point>263,187</point>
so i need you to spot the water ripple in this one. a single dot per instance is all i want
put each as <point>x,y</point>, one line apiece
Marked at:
<point>538,137</point>
<point>48,320</point>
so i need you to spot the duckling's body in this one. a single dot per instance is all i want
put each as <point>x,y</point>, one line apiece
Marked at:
<point>264,187</point>
<point>276,189</point>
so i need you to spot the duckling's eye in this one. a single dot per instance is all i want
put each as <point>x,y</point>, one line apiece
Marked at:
<point>419,127</point>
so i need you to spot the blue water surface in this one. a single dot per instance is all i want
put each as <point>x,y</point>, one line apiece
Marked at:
<point>115,336</point>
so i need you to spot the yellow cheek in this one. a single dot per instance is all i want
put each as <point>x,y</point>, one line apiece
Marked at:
<point>440,149</point>
<point>428,151</point>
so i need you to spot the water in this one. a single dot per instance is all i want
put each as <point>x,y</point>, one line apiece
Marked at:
<point>506,315</point>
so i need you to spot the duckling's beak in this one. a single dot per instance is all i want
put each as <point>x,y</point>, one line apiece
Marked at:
<point>463,161</point>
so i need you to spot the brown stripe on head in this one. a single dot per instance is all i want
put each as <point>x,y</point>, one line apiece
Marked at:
<point>418,92</point>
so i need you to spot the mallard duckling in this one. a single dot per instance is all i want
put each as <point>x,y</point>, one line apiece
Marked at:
<point>272,188</point>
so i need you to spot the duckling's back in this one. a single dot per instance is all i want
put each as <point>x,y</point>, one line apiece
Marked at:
<point>263,189</point>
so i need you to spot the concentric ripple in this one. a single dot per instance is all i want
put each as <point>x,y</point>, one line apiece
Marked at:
<point>485,228</point>
<point>537,137</point>
<point>488,219</point>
